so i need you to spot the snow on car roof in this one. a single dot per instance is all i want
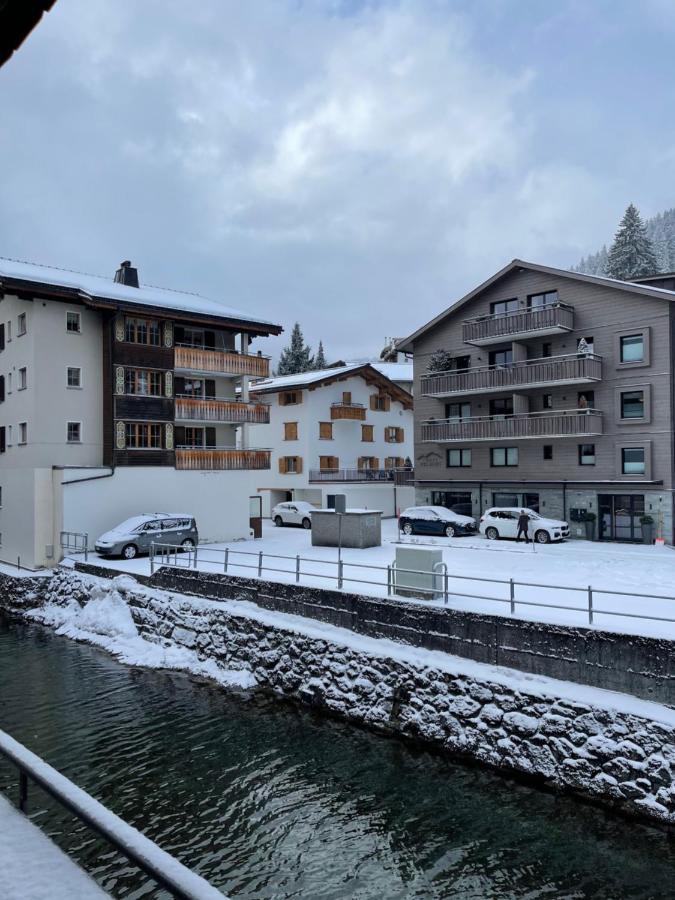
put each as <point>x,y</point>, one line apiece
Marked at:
<point>106,288</point>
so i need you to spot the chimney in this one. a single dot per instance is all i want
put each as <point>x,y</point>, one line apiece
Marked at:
<point>126,274</point>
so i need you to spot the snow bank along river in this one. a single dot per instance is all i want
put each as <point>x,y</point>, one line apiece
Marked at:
<point>267,800</point>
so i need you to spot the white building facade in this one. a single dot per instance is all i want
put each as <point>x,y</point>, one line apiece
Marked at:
<point>346,430</point>
<point>116,399</point>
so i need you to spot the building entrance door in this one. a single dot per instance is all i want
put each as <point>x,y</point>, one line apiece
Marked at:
<point>620,516</point>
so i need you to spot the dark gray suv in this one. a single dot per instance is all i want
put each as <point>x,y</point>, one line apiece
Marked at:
<point>136,535</point>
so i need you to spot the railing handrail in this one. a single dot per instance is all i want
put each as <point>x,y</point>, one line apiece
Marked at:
<point>500,417</point>
<point>225,447</point>
<point>517,312</point>
<point>166,552</point>
<point>349,405</point>
<point>163,868</point>
<point>516,364</point>
<point>236,400</point>
<point>231,350</point>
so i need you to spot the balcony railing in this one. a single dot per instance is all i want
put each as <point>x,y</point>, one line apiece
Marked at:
<point>220,362</point>
<point>391,476</point>
<point>216,409</point>
<point>549,424</point>
<point>348,411</point>
<point>530,373</point>
<point>523,323</point>
<point>221,458</point>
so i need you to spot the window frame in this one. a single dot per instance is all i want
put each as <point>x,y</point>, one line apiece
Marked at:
<point>325,431</point>
<point>464,455</point>
<point>290,431</point>
<point>580,455</point>
<point>137,428</point>
<point>620,390</point>
<point>21,324</point>
<point>506,464</point>
<point>70,440</point>
<point>23,378</point>
<point>545,305</point>
<point>134,372</point>
<point>136,323</point>
<point>367,433</point>
<point>78,318</point>
<point>22,438</point>
<point>624,451</point>
<point>74,387</point>
<point>645,332</point>
<point>507,312</point>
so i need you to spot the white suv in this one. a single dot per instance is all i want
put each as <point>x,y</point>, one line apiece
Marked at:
<point>502,522</point>
<point>293,512</point>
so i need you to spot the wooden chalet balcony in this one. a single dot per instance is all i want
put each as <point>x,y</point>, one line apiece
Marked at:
<point>395,476</point>
<point>549,424</point>
<point>553,319</point>
<point>354,411</point>
<point>531,373</point>
<point>220,362</point>
<point>215,409</point>
<point>221,458</point>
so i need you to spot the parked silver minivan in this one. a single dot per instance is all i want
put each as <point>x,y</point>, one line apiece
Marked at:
<point>136,535</point>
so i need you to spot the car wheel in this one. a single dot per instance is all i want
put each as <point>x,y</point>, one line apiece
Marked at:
<point>188,544</point>
<point>407,528</point>
<point>306,523</point>
<point>491,534</point>
<point>130,551</point>
<point>542,537</point>
<point>278,521</point>
<point>449,531</point>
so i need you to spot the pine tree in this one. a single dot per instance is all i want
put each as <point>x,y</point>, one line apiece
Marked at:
<point>632,254</point>
<point>297,356</point>
<point>440,361</point>
<point>320,358</point>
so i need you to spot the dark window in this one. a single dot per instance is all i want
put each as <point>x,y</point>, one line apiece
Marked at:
<point>73,322</point>
<point>586,454</point>
<point>142,331</point>
<point>632,348</point>
<point>141,436</point>
<point>502,358</point>
<point>504,456</point>
<point>586,399</point>
<point>2,336</point>
<point>3,439</point>
<point>459,501</point>
<point>21,324</point>
<point>546,350</point>
<point>632,405</point>
<point>537,301</point>
<point>2,388</point>
<point>74,432</point>
<point>74,377</point>
<point>501,407</point>
<point>504,307</point>
<point>459,458</point>
<point>547,401</point>
<point>462,363</point>
<point>143,383</point>
<point>633,461</point>
<point>457,411</point>
<point>548,451</point>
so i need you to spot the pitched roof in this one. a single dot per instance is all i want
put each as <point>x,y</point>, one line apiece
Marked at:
<point>97,291</point>
<point>632,287</point>
<point>17,19</point>
<point>321,377</point>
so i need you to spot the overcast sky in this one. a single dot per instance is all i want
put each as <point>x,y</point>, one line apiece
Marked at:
<point>355,166</point>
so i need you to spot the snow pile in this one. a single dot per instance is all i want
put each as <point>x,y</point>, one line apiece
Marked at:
<point>106,621</point>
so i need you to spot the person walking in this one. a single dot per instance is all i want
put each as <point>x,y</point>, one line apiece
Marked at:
<point>523,525</point>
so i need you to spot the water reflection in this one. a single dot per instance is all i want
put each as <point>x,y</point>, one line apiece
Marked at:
<point>267,801</point>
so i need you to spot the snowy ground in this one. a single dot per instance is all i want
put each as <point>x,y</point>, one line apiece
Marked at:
<point>33,868</point>
<point>549,576</point>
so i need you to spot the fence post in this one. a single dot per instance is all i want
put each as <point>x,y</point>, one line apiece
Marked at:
<point>260,562</point>
<point>590,605</point>
<point>339,584</point>
<point>512,596</point>
<point>86,547</point>
<point>389,581</point>
<point>23,791</point>
<point>152,558</point>
<point>196,551</point>
<point>297,569</point>
<point>445,586</point>
<point>226,560</point>
<point>18,563</point>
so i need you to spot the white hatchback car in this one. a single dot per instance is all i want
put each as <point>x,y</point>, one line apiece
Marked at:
<point>502,522</point>
<point>293,512</point>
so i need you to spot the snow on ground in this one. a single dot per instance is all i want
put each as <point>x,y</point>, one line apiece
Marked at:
<point>567,569</point>
<point>33,868</point>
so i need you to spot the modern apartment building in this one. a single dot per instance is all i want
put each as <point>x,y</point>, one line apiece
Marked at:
<point>555,392</point>
<point>343,430</point>
<point>117,398</point>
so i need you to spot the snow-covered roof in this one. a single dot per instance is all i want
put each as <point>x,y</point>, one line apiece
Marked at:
<point>395,371</point>
<point>326,376</point>
<point>406,344</point>
<point>99,287</point>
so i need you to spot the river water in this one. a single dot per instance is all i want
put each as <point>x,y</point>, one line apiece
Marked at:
<point>267,801</point>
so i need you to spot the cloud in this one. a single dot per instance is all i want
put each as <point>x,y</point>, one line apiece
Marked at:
<point>332,163</point>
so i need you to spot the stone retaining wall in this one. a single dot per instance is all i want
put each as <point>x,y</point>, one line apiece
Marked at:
<point>490,715</point>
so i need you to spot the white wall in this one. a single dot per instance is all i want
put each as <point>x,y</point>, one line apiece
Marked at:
<point>218,500</point>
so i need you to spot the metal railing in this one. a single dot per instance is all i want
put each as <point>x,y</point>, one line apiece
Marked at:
<point>163,868</point>
<point>527,373</point>
<point>486,329</point>
<point>224,561</point>
<point>395,476</point>
<point>552,423</point>
<point>75,542</point>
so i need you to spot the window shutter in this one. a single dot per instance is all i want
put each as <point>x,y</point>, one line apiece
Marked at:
<point>399,435</point>
<point>282,465</point>
<point>376,463</point>
<point>282,399</point>
<point>298,465</point>
<point>373,401</point>
<point>346,397</point>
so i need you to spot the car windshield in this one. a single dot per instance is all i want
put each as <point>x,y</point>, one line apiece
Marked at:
<point>134,524</point>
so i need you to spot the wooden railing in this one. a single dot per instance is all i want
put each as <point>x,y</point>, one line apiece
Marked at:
<point>484,329</point>
<point>214,409</point>
<point>526,373</point>
<point>206,458</point>
<point>348,411</point>
<point>196,359</point>
<point>550,424</point>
